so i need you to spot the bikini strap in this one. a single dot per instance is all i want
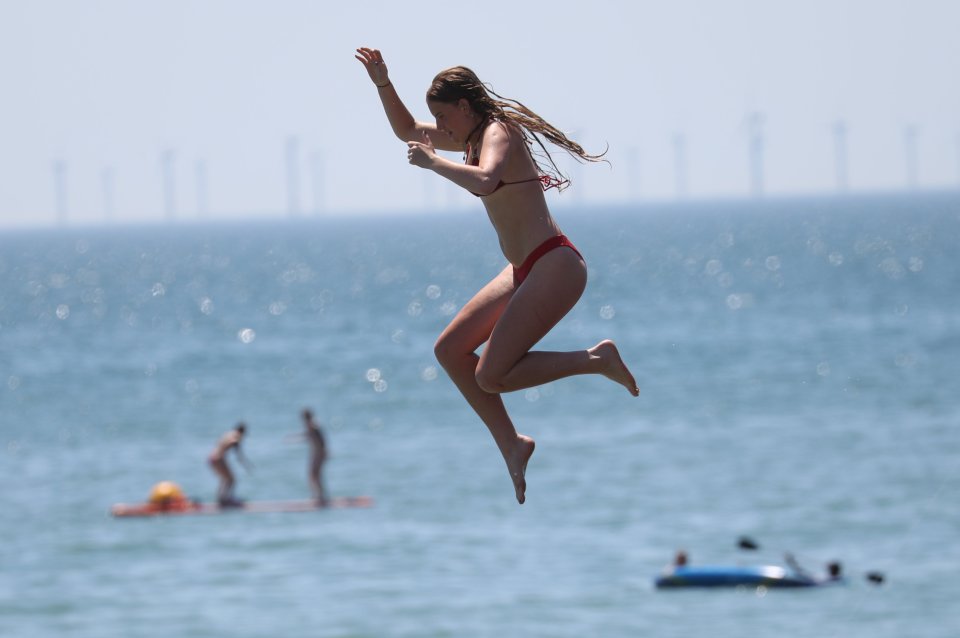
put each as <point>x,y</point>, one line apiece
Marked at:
<point>469,147</point>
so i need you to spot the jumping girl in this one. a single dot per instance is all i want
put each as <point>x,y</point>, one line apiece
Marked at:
<point>546,275</point>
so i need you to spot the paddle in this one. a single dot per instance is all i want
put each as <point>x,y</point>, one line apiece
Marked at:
<point>747,543</point>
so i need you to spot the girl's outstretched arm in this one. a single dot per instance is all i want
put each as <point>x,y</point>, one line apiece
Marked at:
<point>404,125</point>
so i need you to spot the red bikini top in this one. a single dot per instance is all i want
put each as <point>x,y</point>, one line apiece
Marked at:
<point>472,159</point>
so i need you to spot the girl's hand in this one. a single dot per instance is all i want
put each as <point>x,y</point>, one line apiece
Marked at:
<point>376,67</point>
<point>421,154</point>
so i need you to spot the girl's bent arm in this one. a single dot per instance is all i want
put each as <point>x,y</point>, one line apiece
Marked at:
<point>484,178</point>
<point>404,126</point>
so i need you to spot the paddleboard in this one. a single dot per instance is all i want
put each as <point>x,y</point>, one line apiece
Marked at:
<point>126,510</point>
<point>734,575</point>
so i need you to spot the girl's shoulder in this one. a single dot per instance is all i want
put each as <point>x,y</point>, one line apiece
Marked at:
<point>501,128</point>
<point>502,124</point>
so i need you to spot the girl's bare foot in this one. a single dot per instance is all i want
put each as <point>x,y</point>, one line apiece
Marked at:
<point>517,465</point>
<point>613,366</point>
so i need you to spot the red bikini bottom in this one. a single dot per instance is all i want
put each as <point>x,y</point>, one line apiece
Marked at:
<point>520,273</point>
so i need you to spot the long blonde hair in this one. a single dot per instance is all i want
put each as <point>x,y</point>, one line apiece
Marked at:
<point>459,82</point>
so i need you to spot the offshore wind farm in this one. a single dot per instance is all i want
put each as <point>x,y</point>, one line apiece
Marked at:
<point>272,117</point>
<point>186,196</point>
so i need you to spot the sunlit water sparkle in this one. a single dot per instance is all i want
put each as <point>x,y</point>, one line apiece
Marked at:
<point>798,363</point>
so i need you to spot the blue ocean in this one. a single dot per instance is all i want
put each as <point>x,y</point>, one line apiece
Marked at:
<point>798,361</point>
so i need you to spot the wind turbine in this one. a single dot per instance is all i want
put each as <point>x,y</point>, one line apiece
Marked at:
<point>755,144</point>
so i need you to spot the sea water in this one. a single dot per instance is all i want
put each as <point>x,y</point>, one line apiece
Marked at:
<point>798,361</point>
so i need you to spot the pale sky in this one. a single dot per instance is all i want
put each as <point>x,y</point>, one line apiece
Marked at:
<point>103,88</point>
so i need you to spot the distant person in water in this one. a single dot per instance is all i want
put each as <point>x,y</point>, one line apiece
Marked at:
<point>507,165</point>
<point>834,570</point>
<point>218,462</point>
<point>313,435</point>
<point>680,560</point>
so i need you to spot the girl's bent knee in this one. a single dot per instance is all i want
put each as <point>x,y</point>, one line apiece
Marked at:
<point>489,383</point>
<point>448,353</point>
<point>441,351</point>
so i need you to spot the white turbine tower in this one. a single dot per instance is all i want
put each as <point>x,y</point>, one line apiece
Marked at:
<point>755,144</point>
